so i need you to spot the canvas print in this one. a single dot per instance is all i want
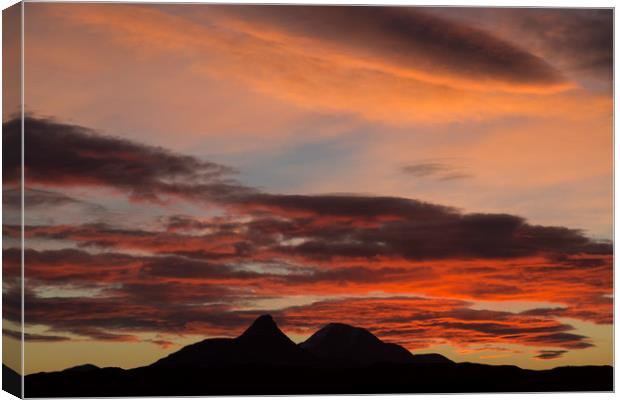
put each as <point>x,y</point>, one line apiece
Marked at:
<point>232,199</point>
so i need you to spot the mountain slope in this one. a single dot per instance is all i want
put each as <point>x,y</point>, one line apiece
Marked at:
<point>262,343</point>
<point>345,344</point>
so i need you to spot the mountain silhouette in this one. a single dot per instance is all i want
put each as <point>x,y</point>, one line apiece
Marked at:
<point>262,343</point>
<point>337,359</point>
<point>346,344</point>
<point>82,368</point>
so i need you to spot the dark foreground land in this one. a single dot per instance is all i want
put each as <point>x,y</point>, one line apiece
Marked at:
<point>429,378</point>
<point>338,359</point>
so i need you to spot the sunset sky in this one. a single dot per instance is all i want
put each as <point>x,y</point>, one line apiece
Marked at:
<point>439,176</point>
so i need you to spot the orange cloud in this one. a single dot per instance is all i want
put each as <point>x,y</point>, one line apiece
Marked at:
<point>419,322</point>
<point>317,74</point>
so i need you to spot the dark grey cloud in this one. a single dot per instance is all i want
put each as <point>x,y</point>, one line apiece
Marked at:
<point>188,223</point>
<point>37,198</point>
<point>565,339</point>
<point>582,39</point>
<point>412,318</point>
<point>407,37</point>
<point>59,154</point>
<point>549,311</point>
<point>32,337</point>
<point>108,270</point>
<point>179,267</point>
<point>346,206</point>
<point>445,235</point>
<point>550,354</point>
<point>120,318</point>
<point>435,170</point>
<point>50,265</point>
<point>354,226</point>
<point>424,169</point>
<point>368,229</point>
<point>578,39</point>
<point>550,335</point>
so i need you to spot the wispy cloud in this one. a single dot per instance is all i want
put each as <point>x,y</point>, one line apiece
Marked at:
<point>37,198</point>
<point>550,354</point>
<point>435,170</point>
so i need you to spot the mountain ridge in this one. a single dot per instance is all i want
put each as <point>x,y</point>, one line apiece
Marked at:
<point>337,359</point>
<point>342,344</point>
<point>264,343</point>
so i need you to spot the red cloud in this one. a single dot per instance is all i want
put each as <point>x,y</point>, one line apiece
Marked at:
<point>197,275</point>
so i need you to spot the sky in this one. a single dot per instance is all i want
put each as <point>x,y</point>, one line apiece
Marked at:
<point>439,176</point>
